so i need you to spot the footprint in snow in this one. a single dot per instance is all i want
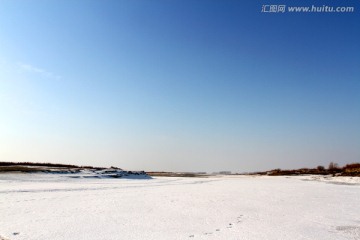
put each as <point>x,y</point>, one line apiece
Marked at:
<point>230,225</point>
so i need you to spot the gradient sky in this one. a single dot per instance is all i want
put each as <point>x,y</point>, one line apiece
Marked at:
<point>179,85</point>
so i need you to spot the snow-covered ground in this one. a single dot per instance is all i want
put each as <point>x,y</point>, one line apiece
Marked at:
<point>55,206</point>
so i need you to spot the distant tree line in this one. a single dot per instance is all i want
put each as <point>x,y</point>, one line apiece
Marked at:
<point>352,169</point>
<point>3,164</point>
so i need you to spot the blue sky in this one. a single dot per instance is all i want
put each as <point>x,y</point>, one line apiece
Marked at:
<point>179,85</point>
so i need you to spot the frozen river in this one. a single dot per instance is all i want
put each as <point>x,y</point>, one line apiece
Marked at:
<point>56,207</point>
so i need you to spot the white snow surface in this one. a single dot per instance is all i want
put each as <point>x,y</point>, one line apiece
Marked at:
<point>57,207</point>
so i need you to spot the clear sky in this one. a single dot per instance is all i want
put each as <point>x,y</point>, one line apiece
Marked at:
<point>179,85</point>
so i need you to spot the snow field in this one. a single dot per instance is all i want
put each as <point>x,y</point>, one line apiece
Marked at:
<point>42,206</point>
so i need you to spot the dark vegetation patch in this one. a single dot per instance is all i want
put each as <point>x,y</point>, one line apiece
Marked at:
<point>44,167</point>
<point>352,170</point>
<point>55,165</point>
<point>18,169</point>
